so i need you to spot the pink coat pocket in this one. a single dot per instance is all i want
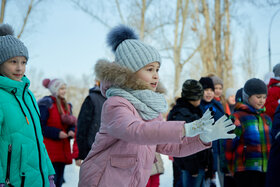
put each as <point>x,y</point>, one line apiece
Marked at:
<point>123,161</point>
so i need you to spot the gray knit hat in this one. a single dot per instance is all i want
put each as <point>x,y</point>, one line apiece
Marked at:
<point>217,80</point>
<point>129,51</point>
<point>192,90</point>
<point>276,70</point>
<point>10,46</point>
<point>253,86</point>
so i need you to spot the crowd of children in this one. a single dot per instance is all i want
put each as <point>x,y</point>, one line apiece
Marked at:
<point>120,133</point>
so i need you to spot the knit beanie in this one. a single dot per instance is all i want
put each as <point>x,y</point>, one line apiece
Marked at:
<point>230,92</point>
<point>217,80</point>
<point>192,90</point>
<point>53,85</point>
<point>276,70</point>
<point>253,86</point>
<point>10,46</point>
<point>207,82</point>
<point>129,51</point>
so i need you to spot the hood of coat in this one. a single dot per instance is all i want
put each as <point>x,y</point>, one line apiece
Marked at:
<point>111,74</point>
<point>275,81</point>
<point>10,85</point>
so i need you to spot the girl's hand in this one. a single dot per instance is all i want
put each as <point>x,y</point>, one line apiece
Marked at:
<point>78,162</point>
<point>62,135</point>
<point>71,134</point>
<point>220,130</point>
<point>202,125</point>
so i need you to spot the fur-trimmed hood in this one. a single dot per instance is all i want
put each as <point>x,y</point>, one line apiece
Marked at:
<point>112,74</point>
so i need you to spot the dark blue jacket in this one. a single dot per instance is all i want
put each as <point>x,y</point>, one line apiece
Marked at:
<point>273,175</point>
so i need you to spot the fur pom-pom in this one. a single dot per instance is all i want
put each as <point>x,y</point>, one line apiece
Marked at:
<point>46,83</point>
<point>6,29</point>
<point>118,34</point>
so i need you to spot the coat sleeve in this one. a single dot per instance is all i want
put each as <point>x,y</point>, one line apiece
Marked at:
<point>230,145</point>
<point>121,121</point>
<point>2,179</point>
<point>188,147</point>
<point>85,119</point>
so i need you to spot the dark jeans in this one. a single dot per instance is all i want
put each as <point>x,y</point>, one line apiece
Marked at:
<point>187,180</point>
<point>250,178</point>
<point>59,172</point>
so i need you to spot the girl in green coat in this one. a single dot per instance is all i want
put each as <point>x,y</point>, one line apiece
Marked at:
<point>24,160</point>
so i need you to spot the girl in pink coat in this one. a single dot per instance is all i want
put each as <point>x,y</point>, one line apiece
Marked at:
<point>132,128</point>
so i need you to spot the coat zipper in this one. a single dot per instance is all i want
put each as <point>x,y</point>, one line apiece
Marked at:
<point>22,181</point>
<point>8,165</point>
<point>37,140</point>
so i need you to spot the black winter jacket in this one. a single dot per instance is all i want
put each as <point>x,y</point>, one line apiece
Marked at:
<point>89,121</point>
<point>185,111</point>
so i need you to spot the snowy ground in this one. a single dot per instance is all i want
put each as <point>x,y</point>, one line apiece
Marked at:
<point>72,174</point>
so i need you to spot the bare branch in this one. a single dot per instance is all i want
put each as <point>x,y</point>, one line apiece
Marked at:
<point>119,11</point>
<point>87,11</point>
<point>26,18</point>
<point>193,53</point>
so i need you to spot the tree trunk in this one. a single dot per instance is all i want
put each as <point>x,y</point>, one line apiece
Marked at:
<point>142,24</point>
<point>227,74</point>
<point>3,7</point>
<point>218,43</point>
<point>207,52</point>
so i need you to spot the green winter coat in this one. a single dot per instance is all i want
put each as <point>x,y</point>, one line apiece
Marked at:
<point>23,156</point>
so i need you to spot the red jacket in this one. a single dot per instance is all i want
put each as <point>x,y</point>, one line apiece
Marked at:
<point>272,97</point>
<point>59,150</point>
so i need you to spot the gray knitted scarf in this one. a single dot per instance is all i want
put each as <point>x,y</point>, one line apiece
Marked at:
<point>147,102</point>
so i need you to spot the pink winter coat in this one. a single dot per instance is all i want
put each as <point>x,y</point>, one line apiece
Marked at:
<point>124,149</point>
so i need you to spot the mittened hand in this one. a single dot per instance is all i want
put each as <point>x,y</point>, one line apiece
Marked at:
<point>220,130</point>
<point>68,119</point>
<point>51,181</point>
<point>203,125</point>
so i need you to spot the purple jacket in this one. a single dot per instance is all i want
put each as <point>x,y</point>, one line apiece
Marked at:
<point>124,149</point>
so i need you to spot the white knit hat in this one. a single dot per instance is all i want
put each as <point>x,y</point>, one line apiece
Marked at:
<point>53,85</point>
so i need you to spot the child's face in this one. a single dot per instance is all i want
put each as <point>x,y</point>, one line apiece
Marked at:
<point>231,100</point>
<point>257,101</point>
<point>14,68</point>
<point>149,74</point>
<point>62,91</point>
<point>218,90</point>
<point>208,95</point>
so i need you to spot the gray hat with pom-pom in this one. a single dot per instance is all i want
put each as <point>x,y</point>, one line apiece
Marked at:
<point>10,46</point>
<point>129,51</point>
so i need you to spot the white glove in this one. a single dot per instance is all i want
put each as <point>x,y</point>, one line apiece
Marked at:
<point>219,130</point>
<point>199,126</point>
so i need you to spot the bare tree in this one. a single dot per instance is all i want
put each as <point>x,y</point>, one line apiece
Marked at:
<point>32,4</point>
<point>215,34</point>
<point>154,26</point>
